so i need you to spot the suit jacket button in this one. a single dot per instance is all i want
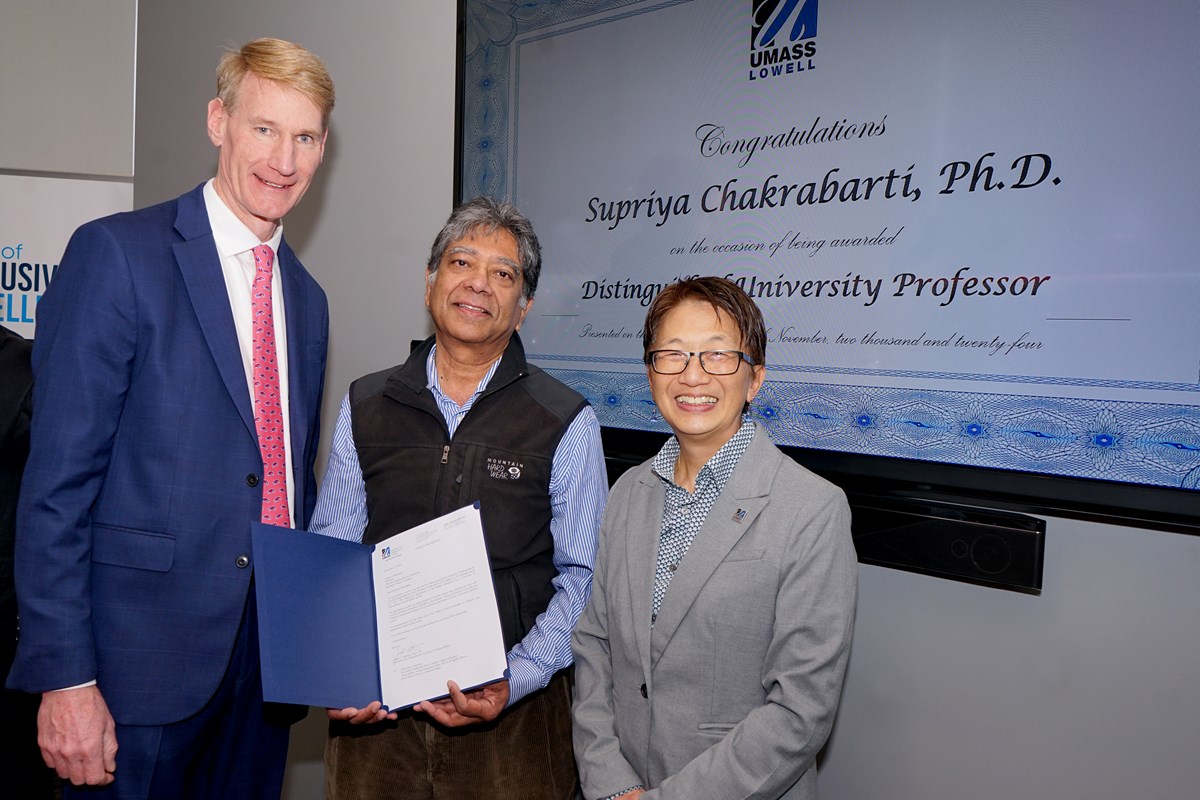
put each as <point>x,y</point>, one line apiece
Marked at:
<point>252,480</point>
<point>643,691</point>
<point>242,562</point>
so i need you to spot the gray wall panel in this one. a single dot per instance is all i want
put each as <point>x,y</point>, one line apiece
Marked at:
<point>66,86</point>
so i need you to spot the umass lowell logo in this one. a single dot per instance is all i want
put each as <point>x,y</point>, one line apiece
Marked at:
<point>783,38</point>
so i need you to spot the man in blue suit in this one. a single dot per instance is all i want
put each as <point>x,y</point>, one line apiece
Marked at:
<point>179,363</point>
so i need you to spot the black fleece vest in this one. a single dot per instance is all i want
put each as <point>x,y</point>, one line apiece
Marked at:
<point>501,456</point>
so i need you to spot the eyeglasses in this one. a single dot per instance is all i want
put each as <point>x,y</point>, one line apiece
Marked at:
<point>714,362</point>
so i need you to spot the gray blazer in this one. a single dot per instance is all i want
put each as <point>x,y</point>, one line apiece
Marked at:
<point>734,691</point>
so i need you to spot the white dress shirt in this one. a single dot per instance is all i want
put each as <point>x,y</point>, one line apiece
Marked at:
<point>235,245</point>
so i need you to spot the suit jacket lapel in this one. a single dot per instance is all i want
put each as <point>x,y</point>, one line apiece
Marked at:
<point>295,308</point>
<point>641,548</point>
<point>201,269</point>
<point>725,525</point>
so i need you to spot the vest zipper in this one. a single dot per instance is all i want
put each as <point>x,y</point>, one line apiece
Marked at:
<point>446,454</point>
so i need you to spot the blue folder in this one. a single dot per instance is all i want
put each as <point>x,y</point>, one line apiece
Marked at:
<point>316,618</point>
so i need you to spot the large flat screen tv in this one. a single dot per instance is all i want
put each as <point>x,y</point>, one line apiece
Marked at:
<point>973,227</point>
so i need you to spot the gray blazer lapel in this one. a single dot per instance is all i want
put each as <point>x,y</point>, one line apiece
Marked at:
<point>641,548</point>
<point>201,269</point>
<point>740,502</point>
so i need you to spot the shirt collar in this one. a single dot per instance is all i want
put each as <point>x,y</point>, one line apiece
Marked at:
<point>230,234</point>
<point>431,375</point>
<point>718,468</point>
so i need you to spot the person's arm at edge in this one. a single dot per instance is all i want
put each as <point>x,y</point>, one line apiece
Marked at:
<point>341,510</point>
<point>578,493</point>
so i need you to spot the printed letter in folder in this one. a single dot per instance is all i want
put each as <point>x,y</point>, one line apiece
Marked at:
<point>344,624</point>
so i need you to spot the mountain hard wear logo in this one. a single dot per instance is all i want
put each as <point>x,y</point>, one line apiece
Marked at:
<point>504,470</point>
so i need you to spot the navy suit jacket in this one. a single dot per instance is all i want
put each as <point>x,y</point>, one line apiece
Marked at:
<point>133,541</point>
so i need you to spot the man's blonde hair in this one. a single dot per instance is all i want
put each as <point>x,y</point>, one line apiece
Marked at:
<point>283,62</point>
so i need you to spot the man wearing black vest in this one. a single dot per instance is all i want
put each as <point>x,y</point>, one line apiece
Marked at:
<point>466,418</point>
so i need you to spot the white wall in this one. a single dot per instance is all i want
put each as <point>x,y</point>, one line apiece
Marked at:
<point>66,86</point>
<point>383,192</point>
<point>959,692</point>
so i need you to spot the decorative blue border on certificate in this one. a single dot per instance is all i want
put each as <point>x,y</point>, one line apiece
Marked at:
<point>1145,443</point>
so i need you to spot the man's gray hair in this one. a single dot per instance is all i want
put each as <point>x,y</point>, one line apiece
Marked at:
<point>486,215</point>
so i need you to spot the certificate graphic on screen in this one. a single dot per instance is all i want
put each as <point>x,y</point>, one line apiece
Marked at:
<point>971,227</point>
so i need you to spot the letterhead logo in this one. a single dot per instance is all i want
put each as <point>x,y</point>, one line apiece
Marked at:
<point>783,38</point>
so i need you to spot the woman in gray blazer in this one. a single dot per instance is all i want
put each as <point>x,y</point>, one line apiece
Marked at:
<point>710,658</point>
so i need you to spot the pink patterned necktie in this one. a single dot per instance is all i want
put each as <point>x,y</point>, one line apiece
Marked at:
<point>268,413</point>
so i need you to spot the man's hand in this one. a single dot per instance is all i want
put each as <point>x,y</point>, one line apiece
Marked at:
<point>470,708</point>
<point>360,716</point>
<point>77,736</point>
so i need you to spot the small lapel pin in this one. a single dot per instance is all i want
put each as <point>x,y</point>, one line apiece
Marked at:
<point>739,515</point>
